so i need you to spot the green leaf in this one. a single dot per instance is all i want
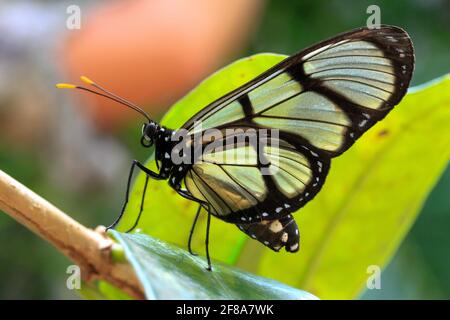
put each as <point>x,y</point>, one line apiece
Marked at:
<point>168,272</point>
<point>101,290</point>
<point>372,196</point>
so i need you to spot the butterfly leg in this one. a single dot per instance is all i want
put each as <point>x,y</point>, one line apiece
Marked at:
<point>142,206</point>
<point>208,224</point>
<point>192,230</point>
<point>150,174</point>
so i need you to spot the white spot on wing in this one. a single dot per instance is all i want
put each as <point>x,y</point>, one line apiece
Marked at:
<point>276,226</point>
<point>362,123</point>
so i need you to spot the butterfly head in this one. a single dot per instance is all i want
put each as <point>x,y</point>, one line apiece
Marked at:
<point>149,132</point>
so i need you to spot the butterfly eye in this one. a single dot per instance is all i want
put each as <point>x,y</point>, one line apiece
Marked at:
<point>146,138</point>
<point>146,141</point>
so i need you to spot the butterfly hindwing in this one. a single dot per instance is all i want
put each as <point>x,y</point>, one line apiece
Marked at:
<point>241,190</point>
<point>275,234</point>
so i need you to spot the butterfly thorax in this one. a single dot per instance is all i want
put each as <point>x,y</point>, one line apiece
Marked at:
<point>163,150</point>
<point>166,153</point>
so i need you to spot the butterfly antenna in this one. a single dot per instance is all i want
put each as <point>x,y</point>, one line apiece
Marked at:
<point>103,93</point>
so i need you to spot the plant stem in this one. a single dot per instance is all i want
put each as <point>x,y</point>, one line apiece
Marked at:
<point>89,249</point>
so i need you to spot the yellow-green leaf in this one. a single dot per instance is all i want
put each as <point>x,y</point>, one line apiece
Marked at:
<point>371,198</point>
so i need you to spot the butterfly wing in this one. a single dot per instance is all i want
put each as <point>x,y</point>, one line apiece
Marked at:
<point>321,100</point>
<point>328,95</point>
<point>241,189</point>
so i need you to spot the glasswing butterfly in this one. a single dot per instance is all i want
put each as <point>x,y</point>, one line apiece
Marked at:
<point>319,101</point>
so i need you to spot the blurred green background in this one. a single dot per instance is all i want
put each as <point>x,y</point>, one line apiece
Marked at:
<point>48,143</point>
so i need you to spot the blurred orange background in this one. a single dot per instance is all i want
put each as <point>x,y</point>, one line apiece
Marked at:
<point>153,52</point>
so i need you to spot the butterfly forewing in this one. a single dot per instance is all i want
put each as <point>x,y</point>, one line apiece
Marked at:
<point>329,94</point>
